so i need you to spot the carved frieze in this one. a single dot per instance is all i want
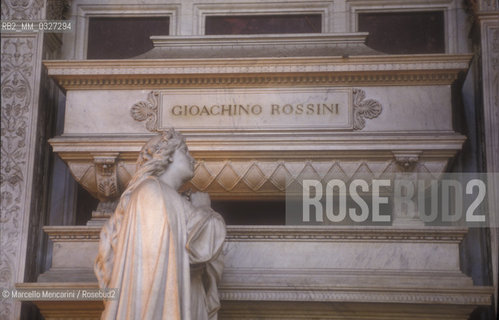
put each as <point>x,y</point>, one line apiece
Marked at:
<point>233,179</point>
<point>17,90</point>
<point>271,178</point>
<point>260,167</point>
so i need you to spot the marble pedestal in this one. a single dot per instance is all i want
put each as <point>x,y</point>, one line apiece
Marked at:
<point>283,272</point>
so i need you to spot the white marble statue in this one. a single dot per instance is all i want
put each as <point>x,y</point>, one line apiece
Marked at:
<point>160,249</point>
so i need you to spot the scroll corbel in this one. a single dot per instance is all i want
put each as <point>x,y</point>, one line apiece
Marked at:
<point>106,179</point>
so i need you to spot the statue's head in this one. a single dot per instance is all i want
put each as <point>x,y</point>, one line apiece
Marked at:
<point>158,153</point>
<point>164,153</point>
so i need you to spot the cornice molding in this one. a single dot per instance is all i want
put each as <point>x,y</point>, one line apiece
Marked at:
<point>263,145</point>
<point>366,78</point>
<point>437,69</point>
<point>158,66</point>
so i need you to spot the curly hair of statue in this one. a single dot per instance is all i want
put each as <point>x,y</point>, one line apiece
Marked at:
<point>153,159</point>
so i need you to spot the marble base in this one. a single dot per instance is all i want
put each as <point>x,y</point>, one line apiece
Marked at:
<point>283,272</point>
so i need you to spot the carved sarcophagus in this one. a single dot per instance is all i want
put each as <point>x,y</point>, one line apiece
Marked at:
<point>256,124</point>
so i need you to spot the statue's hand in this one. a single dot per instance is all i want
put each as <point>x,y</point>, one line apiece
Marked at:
<point>200,199</point>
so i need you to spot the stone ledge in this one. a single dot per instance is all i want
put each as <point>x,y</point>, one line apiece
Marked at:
<point>258,145</point>
<point>454,296</point>
<point>351,303</point>
<point>265,45</point>
<point>383,295</point>
<point>294,233</point>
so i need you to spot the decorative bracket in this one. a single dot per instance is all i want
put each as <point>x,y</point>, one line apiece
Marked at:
<point>407,160</point>
<point>368,109</point>
<point>106,177</point>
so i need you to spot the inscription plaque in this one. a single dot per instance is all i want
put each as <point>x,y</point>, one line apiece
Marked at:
<point>257,109</point>
<point>240,109</point>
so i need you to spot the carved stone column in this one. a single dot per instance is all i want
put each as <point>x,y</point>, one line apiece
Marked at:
<point>20,75</point>
<point>488,17</point>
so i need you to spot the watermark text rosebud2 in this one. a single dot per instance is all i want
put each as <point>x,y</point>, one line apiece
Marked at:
<point>453,199</point>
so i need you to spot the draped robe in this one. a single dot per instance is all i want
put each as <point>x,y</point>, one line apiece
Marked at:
<point>159,236</point>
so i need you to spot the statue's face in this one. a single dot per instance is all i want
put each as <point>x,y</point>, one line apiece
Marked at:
<point>183,163</point>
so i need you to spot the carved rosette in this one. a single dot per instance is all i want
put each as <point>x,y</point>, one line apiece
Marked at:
<point>147,111</point>
<point>364,109</point>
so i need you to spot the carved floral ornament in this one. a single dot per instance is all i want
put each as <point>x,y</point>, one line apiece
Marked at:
<point>147,111</point>
<point>17,72</point>
<point>362,109</point>
<point>22,10</point>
